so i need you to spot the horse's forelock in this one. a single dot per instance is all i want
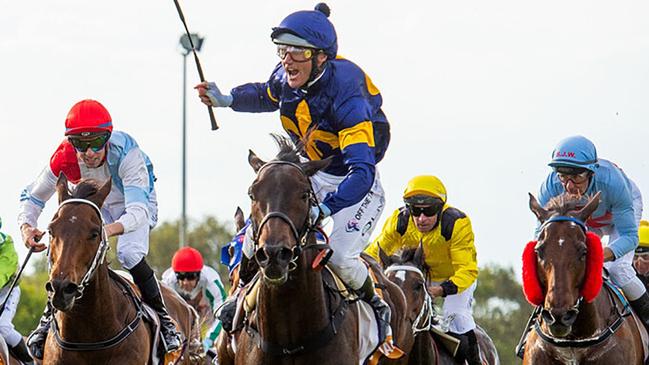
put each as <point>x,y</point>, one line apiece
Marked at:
<point>288,151</point>
<point>565,203</point>
<point>85,189</point>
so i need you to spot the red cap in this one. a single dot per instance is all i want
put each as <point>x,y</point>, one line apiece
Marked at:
<point>187,259</point>
<point>88,116</point>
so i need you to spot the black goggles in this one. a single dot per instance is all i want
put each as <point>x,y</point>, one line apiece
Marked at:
<point>94,142</point>
<point>187,275</point>
<point>428,211</point>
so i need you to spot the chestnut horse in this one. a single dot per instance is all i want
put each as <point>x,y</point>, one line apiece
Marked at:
<point>408,269</point>
<point>300,316</point>
<point>579,322</point>
<point>96,321</point>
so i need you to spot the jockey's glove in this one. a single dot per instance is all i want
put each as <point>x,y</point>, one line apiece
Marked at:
<point>217,99</point>
<point>319,212</point>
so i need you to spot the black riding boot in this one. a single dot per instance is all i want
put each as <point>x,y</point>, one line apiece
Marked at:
<point>145,280</point>
<point>381,308</point>
<point>641,308</point>
<point>21,353</point>
<point>468,348</point>
<point>36,340</point>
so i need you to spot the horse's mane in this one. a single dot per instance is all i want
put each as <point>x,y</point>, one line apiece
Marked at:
<point>86,188</point>
<point>566,203</point>
<point>288,151</point>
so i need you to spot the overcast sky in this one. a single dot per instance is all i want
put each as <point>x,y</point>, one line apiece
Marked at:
<point>477,93</point>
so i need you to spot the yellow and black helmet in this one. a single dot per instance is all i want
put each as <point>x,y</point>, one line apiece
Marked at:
<point>643,237</point>
<point>424,190</point>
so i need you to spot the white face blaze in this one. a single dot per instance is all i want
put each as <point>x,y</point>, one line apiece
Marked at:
<point>401,275</point>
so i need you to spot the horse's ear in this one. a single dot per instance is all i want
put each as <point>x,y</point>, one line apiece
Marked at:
<point>239,221</point>
<point>62,188</point>
<point>419,259</point>
<point>101,194</point>
<point>538,211</point>
<point>311,167</point>
<point>255,161</point>
<point>590,207</point>
<point>385,259</point>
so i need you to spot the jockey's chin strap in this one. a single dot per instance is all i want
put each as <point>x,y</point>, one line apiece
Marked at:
<point>424,321</point>
<point>300,235</point>
<point>100,255</point>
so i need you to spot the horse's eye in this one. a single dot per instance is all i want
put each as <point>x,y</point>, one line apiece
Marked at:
<point>305,195</point>
<point>417,287</point>
<point>94,235</point>
<point>582,253</point>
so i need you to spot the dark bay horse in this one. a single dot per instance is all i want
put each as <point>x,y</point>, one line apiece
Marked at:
<point>300,318</point>
<point>408,269</point>
<point>580,322</point>
<point>95,321</point>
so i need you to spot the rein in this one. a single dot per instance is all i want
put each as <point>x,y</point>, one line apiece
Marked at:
<point>424,321</point>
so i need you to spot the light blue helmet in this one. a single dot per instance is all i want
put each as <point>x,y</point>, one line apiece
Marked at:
<point>308,28</point>
<point>575,151</point>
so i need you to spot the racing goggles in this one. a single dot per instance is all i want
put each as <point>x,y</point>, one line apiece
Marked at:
<point>428,210</point>
<point>187,275</point>
<point>574,174</point>
<point>298,54</point>
<point>96,142</point>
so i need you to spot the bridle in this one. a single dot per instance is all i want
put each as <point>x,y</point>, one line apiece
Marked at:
<point>97,260</point>
<point>425,319</point>
<point>301,235</point>
<point>100,254</point>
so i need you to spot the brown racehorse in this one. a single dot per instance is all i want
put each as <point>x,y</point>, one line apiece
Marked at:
<point>570,329</point>
<point>300,318</point>
<point>95,321</point>
<point>409,271</point>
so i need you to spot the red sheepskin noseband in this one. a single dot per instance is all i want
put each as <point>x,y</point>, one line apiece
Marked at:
<point>592,278</point>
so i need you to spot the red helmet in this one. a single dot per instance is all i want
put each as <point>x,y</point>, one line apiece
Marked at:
<point>187,259</point>
<point>88,116</point>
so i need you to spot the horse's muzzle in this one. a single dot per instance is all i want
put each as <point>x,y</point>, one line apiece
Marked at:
<point>274,261</point>
<point>560,321</point>
<point>62,293</point>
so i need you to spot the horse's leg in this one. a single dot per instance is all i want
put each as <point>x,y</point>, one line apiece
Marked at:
<point>223,350</point>
<point>186,322</point>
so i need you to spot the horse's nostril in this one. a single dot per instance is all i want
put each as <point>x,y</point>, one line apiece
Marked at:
<point>285,254</point>
<point>70,288</point>
<point>569,317</point>
<point>48,287</point>
<point>547,316</point>
<point>261,256</point>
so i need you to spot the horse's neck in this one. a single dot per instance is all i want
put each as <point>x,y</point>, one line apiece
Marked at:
<point>98,308</point>
<point>298,307</point>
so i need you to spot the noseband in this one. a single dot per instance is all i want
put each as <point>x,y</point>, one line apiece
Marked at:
<point>425,319</point>
<point>100,255</point>
<point>299,235</point>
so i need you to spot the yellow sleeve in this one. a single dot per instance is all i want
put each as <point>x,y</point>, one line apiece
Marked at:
<point>389,238</point>
<point>463,255</point>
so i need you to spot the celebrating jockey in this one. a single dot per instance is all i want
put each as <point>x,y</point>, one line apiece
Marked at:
<point>329,104</point>
<point>92,149</point>
<point>447,239</point>
<point>577,170</point>
<point>8,268</point>
<point>199,284</point>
